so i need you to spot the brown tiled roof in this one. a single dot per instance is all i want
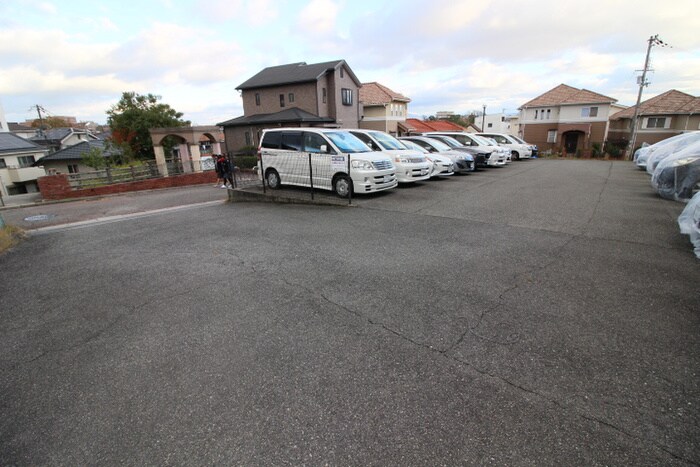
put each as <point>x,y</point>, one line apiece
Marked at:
<point>374,93</point>
<point>670,102</point>
<point>567,95</point>
<point>422,126</point>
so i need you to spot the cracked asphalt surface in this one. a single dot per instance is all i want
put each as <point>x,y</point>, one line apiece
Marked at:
<point>546,313</point>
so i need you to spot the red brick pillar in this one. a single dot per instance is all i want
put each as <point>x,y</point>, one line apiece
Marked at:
<point>54,186</point>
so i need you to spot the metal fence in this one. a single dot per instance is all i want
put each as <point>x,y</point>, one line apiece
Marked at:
<point>311,178</point>
<point>144,171</point>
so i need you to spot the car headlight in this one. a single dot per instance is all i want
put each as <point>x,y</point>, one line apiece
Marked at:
<point>362,164</point>
<point>401,159</point>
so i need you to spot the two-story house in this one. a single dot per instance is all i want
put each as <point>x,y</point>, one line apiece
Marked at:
<point>668,114</point>
<point>567,120</point>
<point>17,172</point>
<point>55,139</point>
<point>296,94</point>
<point>383,109</point>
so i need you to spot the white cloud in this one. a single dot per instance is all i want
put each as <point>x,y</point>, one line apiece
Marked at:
<point>318,18</point>
<point>47,8</point>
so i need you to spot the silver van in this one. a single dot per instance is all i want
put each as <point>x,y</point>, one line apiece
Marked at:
<point>331,159</point>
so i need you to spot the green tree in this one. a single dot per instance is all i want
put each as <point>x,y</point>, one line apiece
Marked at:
<point>95,158</point>
<point>50,122</point>
<point>132,117</point>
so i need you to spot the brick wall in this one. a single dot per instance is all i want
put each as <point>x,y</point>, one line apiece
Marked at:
<point>54,187</point>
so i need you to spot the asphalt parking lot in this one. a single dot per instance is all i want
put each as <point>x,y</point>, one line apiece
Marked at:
<point>545,313</point>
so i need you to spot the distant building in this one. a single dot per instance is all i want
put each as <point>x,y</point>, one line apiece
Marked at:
<point>668,114</point>
<point>293,95</point>
<point>567,120</point>
<point>17,157</point>
<point>444,114</point>
<point>415,126</point>
<point>55,139</point>
<point>70,159</point>
<point>383,109</point>
<point>500,123</point>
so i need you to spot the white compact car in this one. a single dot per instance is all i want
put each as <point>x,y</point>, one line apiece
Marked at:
<point>411,165</point>
<point>462,162</point>
<point>324,158</point>
<point>517,149</point>
<point>495,155</point>
<point>441,165</point>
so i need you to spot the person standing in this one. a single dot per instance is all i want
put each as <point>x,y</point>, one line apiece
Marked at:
<point>226,171</point>
<point>219,173</point>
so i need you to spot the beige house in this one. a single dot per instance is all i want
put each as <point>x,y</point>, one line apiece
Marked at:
<point>383,109</point>
<point>298,94</point>
<point>567,120</point>
<point>668,114</point>
<point>17,172</point>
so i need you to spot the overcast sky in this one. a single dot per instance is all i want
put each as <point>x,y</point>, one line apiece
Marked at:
<point>76,57</point>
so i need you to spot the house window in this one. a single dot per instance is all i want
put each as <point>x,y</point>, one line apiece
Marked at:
<point>347,96</point>
<point>552,136</point>
<point>489,125</point>
<point>281,100</point>
<point>257,98</point>
<point>248,141</point>
<point>3,165</point>
<point>549,111</point>
<point>341,72</point>
<point>536,111</point>
<point>656,122</point>
<point>72,168</point>
<point>25,161</point>
<point>589,112</point>
<point>291,97</point>
<point>325,94</point>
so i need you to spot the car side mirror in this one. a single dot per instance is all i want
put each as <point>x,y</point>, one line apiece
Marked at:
<point>324,149</point>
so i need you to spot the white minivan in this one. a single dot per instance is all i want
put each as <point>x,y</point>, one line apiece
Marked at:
<point>518,150</point>
<point>331,159</point>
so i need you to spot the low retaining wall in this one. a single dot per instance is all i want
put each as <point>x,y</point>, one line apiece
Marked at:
<point>54,187</point>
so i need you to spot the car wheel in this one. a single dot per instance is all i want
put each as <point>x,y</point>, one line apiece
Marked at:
<point>273,179</point>
<point>515,155</point>
<point>342,185</point>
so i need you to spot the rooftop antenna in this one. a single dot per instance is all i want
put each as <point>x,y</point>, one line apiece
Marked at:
<point>653,40</point>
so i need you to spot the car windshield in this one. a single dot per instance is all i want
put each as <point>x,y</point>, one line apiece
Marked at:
<point>347,142</point>
<point>519,140</point>
<point>440,146</point>
<point>450,141</point>
<point>414,146</point>
<point>484,141</point>
<point>387,141</point>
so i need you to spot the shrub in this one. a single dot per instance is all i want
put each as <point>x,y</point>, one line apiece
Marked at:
<point>596,150</point>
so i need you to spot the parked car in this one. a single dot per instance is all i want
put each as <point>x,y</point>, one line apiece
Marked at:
<point>337,159</point>
<point>495,155</point>
<point>479,156</point>
<point>689,222</point>
<point>657,152</point>
<point>411,165</point>
<point>641,155</point>
<point>441,165</point>
<point>517,149</point>
<point>462,162</point>
<point>533,147</point>
<point>678,176</point>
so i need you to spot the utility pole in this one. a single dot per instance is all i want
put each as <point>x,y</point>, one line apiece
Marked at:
<point>483,119</point>
<point>39,109</point>
<point>653,40</point>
